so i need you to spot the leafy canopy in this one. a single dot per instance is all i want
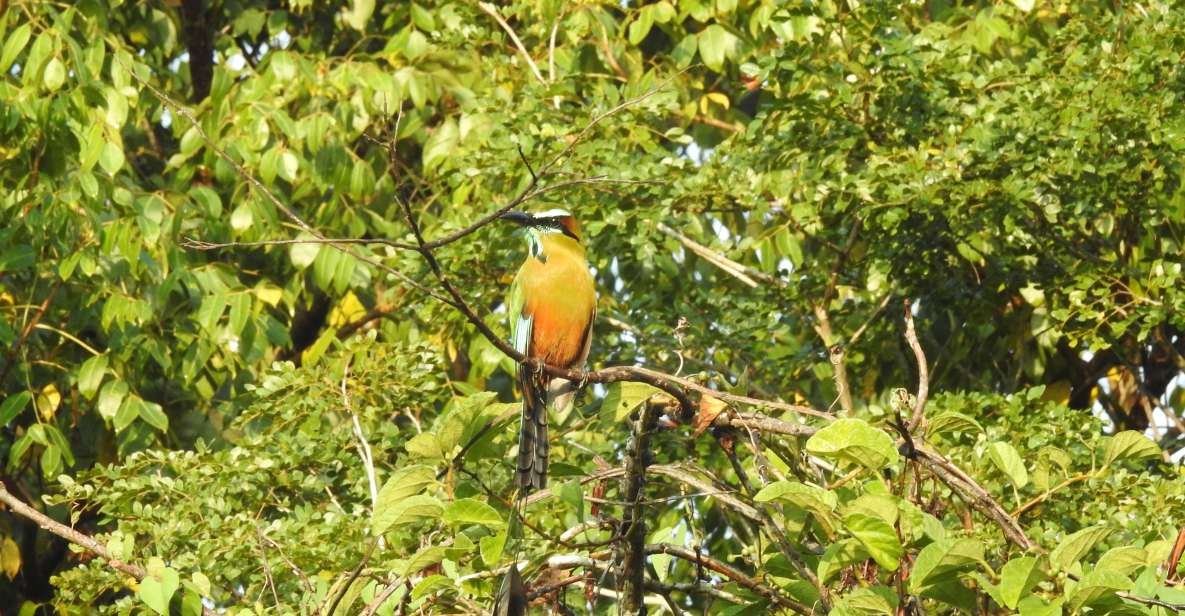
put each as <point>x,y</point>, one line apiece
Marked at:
<point>782,177</point>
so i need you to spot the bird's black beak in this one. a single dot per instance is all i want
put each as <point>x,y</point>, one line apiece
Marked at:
<point>521,219</point>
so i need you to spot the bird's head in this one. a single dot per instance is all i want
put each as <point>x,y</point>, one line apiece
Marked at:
<point>551,221</point>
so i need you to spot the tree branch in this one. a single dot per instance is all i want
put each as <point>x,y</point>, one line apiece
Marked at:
<point>729,572</point>
<point>86,542</point>
<point>974,494</point>
<point>911,335</point>
<point>633,559</point>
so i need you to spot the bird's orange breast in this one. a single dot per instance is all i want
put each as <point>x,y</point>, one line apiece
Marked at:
<point>559,296</point>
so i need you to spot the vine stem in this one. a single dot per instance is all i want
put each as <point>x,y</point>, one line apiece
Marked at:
<point>1042,498</point>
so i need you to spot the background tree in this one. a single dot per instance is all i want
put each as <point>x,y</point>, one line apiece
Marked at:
<point>276,426</point>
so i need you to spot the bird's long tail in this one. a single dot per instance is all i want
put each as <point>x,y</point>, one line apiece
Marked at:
<point>532,441</point>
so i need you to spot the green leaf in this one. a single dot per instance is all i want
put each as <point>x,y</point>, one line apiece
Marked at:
<point>201,583</point>
<point>422,559</point>
<point>1017,578</point>
<point>417,45</point>
<point>388,514</point>
<point>111,158</point>
<point>400,488</point>
<point>269,165</point>
<point>1096,586</point>
<point>38,54</point>
<point>941,561</point>
<point>714,44</point>
<point>1129,445</point>
<point>288,165</point>
<point>491,547</point>
<point>240,310</point>
<point>13,46</point>
<point>472,511</point>
<point>431,585</point>
<point>154,415</point>
<point>1006,458</point>
<point>13,405</point>
<point>815,500</point>
<point>303,254</point>
<point>1033,605</point>
<point>640,27</point>
<point>440,144</point>
<point>117,109</point>
<point>877,537</point>
<point>404,482</point>
<point>110,399</point>
<point>55,74</point>
<point>128,412</point>
<point>874,601</point>
<point>1076,545</point>
<point>17,257</point>
<point>90,375</point>
<point>1124,560</point>
<point>622,398</point>
<point>157,588</point>
<point>358,14</point>
<point>855,441</point>
<point>950,421</point>
<point>58,440</point>
<point>840,554</point>
<point>422,18</point>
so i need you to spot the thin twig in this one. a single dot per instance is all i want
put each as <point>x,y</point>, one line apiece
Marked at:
<point>350,580</point>
<point>864,326</point>
<point>200,244</point>
<point>492,11</point>
<point>364,451</point>
<point>382,597</point>
<point>731,573</point>
<point>545,170</point>
<point>12,350</point>
<point>1037,500</point>
<point>911,335</point>
<point>304,579</point>
<point>741,272</point>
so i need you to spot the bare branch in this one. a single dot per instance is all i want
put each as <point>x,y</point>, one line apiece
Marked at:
<point>363,447</point>
<point>974,494</point>
<point>911,335</point>
<point>531,192</point>
<point>633,559</point>
<point>382,597</point>
<point>864,326</point>
<point>741,272</point>
<point>198,244</point>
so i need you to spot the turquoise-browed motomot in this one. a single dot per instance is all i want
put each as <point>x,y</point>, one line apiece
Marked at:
<point>552,305</point>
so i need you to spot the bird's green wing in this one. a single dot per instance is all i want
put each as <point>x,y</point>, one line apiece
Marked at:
<point>520,324</point>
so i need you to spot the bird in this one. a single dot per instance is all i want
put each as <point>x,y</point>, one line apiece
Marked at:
<point>552,305</point>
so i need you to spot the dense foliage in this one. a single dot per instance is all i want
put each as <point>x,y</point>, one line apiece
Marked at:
<point>762,184</point>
